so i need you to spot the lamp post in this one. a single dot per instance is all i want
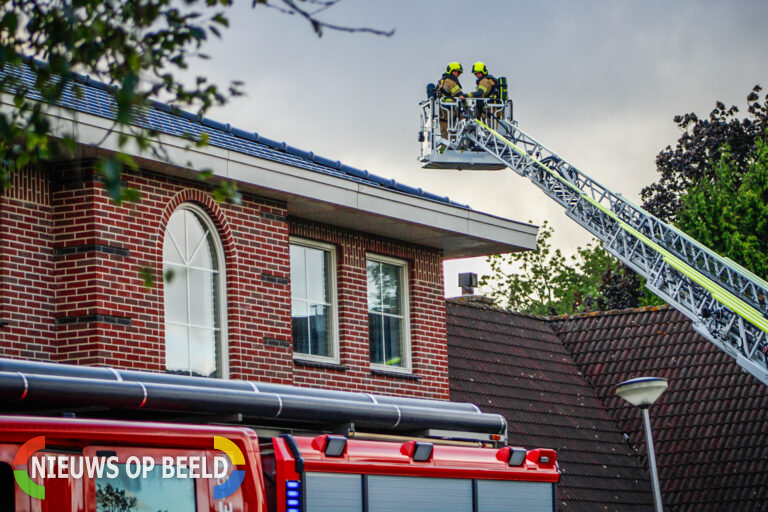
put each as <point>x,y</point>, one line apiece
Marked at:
<point>643,392</point>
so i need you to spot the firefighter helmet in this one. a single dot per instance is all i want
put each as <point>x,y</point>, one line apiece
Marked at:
<point>479,67</point>
<point>454,66</point>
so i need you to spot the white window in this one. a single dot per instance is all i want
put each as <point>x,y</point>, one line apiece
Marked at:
<point>313,300</point>
<point>388,329</point>
<point>193,264</point>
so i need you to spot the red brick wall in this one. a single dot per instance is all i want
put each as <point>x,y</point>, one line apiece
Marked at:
<point>427,316</point>
<point>71,263</point>
<point>26,267</point>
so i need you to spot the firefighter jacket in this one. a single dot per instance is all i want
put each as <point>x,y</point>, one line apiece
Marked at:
<point>449,86</point>
<point>487,87</point>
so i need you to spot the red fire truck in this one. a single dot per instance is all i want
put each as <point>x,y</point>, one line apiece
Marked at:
<point>287,449</point>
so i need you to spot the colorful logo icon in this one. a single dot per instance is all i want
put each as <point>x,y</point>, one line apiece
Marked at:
<point>22,475</point>
<point>235,455</point>
<point>35,444</point>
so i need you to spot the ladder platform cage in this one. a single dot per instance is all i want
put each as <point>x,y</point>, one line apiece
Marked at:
<point>442,136</point>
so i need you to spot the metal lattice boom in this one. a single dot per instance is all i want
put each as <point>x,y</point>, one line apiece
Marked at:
<point>726,303</point>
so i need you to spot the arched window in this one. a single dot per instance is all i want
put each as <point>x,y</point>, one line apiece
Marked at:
<point>193,265</point>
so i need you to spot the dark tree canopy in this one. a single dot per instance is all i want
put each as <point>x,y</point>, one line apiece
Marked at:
<point>700,147</point>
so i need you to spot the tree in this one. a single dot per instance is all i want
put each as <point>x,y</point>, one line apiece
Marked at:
<point>544,282</point>
<point>112,499</point>
<point>700,147</point>
<point>136,46</point>
<point>534,286</point>
<point>729,212</point>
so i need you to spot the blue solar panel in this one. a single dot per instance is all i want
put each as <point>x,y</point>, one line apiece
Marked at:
<point>92,97</point>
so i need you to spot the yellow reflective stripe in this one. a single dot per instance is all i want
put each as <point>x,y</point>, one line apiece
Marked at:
<point>727,261</point>
<point>523,153</point>
<point>456,88</point>
<point>719,293</point>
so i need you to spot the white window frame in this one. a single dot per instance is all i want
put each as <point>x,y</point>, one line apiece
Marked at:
<point>222,282</point>
<point>333,318</point>
<point>405,307</point>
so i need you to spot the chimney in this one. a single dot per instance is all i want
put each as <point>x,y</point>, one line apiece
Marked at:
<point>468,283</point>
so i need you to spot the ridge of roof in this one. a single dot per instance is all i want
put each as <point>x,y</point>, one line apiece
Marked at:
<point>318,163</point>
<point>609,312</point>
<point>473,302</point>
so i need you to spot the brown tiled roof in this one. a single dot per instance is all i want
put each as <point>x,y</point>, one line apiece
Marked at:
<point>554,379</point>
<point>710,428</point>
<point>517,366</point>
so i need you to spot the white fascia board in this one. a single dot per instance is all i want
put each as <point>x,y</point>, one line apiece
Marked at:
<point>419,211</point>
<point>491,227</point>
<point>285,179</point>
<point>291,180</point>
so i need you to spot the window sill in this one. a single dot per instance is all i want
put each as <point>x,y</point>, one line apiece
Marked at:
<point>320,364</point>
<point>395,374</point>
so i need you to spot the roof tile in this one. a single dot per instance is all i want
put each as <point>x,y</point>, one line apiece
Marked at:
<point>710,433</point>
<point>709,428</point>
<point>529,377</point>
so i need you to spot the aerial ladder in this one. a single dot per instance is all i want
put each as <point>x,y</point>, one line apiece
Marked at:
<point>726,303</point>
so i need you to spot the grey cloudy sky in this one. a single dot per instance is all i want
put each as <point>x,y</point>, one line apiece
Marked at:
<point>597,81</point>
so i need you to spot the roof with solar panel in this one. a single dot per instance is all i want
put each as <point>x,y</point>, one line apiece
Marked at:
<point>96,98</point>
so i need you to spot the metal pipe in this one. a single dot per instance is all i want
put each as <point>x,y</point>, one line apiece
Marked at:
<point>652,461</point>
<point>23,391</point>
<point>91,372</point>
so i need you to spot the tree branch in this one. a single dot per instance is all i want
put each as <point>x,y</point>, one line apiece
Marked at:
<point>291,7</point>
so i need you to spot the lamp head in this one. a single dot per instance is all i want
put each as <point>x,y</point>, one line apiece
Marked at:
<point>642,391</point>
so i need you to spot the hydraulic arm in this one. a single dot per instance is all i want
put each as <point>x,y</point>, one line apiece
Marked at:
<point>726,303</point>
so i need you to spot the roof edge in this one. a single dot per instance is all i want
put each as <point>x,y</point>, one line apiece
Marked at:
<point>255,137</point>
<point>472,302</point>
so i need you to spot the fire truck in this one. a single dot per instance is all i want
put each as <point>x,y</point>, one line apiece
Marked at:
<point>84,439</point>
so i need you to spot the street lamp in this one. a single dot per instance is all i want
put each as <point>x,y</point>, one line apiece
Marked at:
<point>642,392</point>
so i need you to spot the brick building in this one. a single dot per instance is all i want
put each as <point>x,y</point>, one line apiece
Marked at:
<point>323,275</point>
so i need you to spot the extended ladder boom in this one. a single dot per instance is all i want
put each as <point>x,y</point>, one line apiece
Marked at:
<point>726,303</point>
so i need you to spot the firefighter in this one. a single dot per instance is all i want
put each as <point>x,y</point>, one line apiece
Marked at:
<point>487,85</point>
<point>448,89</point>
<point>487,88</point>
<point>449,85</point>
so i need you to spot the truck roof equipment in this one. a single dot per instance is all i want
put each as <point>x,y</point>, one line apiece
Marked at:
<point>44,388</point>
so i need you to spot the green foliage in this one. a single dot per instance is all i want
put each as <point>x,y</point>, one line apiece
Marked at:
<point>534,285</point>
<point>134,46</point>
<point>729,212</point>
<point>544,282</point>
<point>137,47</point>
